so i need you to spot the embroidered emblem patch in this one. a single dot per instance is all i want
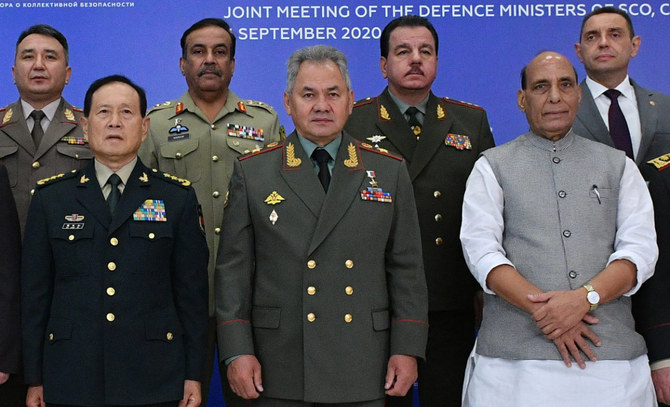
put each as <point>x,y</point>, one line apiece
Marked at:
<point>151,210</point>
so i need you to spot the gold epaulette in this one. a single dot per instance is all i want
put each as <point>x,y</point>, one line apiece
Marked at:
<point>272,146</point>
<point>661,162</point>
<point>171,178</point>
<point>364,102</point>
<point>461,103</point>
<point>382,151</point>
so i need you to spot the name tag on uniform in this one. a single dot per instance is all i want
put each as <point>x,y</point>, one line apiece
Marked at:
<point>152,210</point>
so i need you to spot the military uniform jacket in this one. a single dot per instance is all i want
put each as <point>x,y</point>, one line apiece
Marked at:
<point>651,305</point>
<point>654,110</point>
<point>183,142</point>
<point>62,149</point>
<point>453,134</point>
<point>114,308</point>
<point>322,288</point>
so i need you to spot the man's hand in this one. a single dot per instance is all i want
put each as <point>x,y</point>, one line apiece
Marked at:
<point>244,376</point>
<point>572,341</point>
<point>661,379</point>
<point>35,396</point>
<point>3,377</point>
<point>192,394</point>
<point>561,310</point>
<point>400,374</point>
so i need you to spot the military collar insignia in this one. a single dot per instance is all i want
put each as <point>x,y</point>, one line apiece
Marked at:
<point>383,113</point>
<point>144,177</point>
<point>458,141</point>
<point>151,210</point>
<point>179,107</point>
<point>68,114</point>
<point>84,179</point>
<point>374,192</point>
<point>74,218</point>
<point>8,116</point>
<point>273,217</point>
<point>291,160</point>
<point>440,112</point>
<point>352,161</point>
<point>241,107</point>
<point>661,162</point>
<point>274,198</point>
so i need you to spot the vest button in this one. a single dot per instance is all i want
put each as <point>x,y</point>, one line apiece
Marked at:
<point>562,194</point>
<point>572,274</point>
<point>567,233</point>
<point>556,160</point>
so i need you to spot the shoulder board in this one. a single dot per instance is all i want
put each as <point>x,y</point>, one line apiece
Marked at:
<point>661,162</point>
<point>460,103</point>
<point>54,178</point>
<point>4,108</point>
<point>382,151</point>
<point>78,110</point>
<point>269,147</point>
<point>162,106</point>
<point>256,103</point>
<point>364,102</point>
<point>170,178</point>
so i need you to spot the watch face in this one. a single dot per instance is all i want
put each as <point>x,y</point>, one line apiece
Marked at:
<point>593,297</point>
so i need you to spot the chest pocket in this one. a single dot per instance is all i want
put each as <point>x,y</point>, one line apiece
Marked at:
<point>183,158</point>
<point>73,245</point>
<point>242,145</point>
<point>150,230</point>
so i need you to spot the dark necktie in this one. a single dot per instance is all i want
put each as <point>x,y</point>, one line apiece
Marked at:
<point>114,195</point>
<point>37,132</point>
<point>322,157</point>
<point>618,126</point>
<point>414,121</point>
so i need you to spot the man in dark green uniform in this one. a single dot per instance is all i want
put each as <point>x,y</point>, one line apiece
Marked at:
<point>440,139</point>
<point>198,137</point>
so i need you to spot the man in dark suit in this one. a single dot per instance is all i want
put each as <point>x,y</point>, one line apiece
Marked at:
<point>607,42</point>
<point>12,390</point>
<point>651,305</point>
<point>321,296</point>
<point>440,139</point>
<point>41,71</point>
<point>114,294</point>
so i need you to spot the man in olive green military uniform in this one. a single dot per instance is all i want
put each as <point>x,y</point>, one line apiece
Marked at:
<point>29,151</point>
<point>198,136</point>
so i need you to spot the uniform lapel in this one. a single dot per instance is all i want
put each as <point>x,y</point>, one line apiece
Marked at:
<point>298,172</point>
<point>436,125</point>
<point>62,123</point>
<point>391,123</point>
<point>648,119</point>
<point>345,185</point>
<point>16,127</point>
<point>590,118</point>
<point>89,195</point>
<point>136,191</point>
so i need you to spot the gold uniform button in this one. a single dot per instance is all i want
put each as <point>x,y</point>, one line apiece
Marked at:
<point>76,155</point>
<point>151,235</point>
<point>217,231</point>
<point>311,290</point>
<point>169,336</point>
<point>36,165</point>
<point>178,156</point>
<point>111,266</point>
<point>51,336</point>
<point>111,291</point>
<point>437,194</point>
<point>71,237</point>
<point>216,194</point>
<point>349,264</point>
<point>110,317</point>
<point>438,217</point>
<point>213,127</point>
<point>311,264</point>
<point>439,241</point>
<point>348,318</point>
<point>247,151</point>
<point>311,317</point>
<point>349,290</point>
<point>114,241</point>
<point>215,158</point>
<point>32,192</point>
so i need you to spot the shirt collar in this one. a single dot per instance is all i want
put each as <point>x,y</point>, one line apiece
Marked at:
<point>49,110</point>
<point>102,172</point>
<point>624,87</point>
<point>331,147</point>
<point>402,106</point>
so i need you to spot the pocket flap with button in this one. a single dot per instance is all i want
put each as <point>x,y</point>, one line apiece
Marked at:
<point>161,329</point>
<point>59,329</point>
<point>178,149</point>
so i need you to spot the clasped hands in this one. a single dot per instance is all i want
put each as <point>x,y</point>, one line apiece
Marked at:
<point>563,318</point>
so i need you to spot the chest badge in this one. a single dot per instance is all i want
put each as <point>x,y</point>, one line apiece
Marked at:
<point>374,192</point>
<point>151,210</point>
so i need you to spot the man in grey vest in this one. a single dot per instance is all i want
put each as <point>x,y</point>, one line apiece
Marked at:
<point>559,232</point>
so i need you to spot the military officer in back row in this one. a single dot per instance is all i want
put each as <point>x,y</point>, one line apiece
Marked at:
<point>40,134</point>
<point>440,139</point>
<point>198,136</point>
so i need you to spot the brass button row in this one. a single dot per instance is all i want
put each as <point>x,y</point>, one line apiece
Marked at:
<point>311,264</point>
<point>347,317</point>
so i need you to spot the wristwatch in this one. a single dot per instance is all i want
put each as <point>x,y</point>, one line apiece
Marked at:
<point>592,296</point>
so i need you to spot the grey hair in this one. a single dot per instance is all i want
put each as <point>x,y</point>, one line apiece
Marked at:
<point>316,53</point>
